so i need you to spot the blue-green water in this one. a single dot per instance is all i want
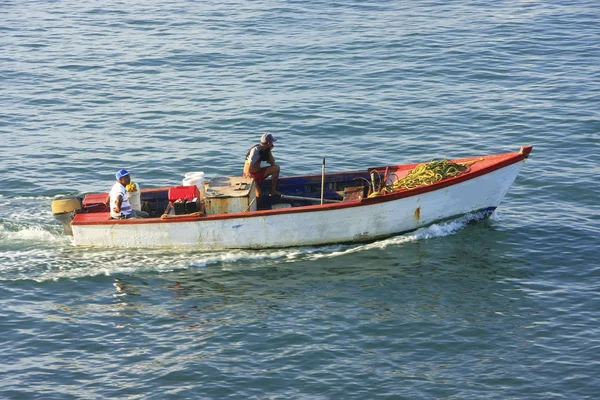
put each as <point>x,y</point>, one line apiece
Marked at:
<point>502,308</point>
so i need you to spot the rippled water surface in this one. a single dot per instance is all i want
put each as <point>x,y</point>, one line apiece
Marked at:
<point>505,307</point>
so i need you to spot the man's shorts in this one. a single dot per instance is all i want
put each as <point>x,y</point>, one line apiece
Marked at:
<point>259,177</point>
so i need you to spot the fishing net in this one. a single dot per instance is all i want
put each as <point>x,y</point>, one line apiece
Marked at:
<point>424,174</point>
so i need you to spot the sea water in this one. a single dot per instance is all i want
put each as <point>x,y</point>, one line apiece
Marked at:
<point>504,307</point>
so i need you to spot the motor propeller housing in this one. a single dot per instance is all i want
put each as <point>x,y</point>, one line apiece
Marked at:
<point>64,209</point>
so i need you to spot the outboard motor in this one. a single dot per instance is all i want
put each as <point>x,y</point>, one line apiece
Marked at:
<point>64,209</point>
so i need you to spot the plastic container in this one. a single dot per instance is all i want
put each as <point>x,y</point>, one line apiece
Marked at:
<point>195,179</point>
<point>135,199</point>
<point>192,174</point>
<point>179,193</point>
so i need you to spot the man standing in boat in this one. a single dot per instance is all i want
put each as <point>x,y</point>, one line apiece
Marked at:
<point>120,208</point>
<point>257,154</point>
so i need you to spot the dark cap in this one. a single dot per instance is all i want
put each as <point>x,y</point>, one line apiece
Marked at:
<point>268,138</point>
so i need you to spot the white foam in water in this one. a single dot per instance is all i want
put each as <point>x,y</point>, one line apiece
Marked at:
<point>497,216</point>
<point>313,253</point>
<point>432,231</point>
<point>62,260</point>
<point>33,233</point>
<point>28,222</point>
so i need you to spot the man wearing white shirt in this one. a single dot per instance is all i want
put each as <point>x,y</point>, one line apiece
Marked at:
<point>120,208</point>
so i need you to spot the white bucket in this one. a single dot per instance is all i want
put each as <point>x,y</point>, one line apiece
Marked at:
<point>197,179</point>
<point>192,174</point>
<point>135,199</point>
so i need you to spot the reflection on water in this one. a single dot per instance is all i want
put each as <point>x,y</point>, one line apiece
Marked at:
<point>471,283</point>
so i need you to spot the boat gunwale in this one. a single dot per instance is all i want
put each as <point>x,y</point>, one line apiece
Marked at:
<point>509,159</point>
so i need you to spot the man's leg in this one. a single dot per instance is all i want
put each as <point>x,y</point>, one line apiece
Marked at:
<point>138,214</point>
<point>258,178</point>
<point>273,172</point>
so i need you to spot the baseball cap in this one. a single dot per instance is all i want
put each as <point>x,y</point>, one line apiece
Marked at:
<point>121,173</point>
<point>268,138</point>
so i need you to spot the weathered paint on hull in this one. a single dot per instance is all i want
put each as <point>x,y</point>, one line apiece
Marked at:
<point>362,223</point>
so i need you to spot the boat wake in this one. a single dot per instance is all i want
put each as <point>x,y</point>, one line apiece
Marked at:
<point>26,234</point>
<point>41,253</point>
<point>442,229</point>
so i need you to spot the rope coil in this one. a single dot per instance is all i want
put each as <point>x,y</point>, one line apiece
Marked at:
<point>423,175</point>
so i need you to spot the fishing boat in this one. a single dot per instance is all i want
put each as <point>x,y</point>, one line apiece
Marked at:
<point>326,208</point>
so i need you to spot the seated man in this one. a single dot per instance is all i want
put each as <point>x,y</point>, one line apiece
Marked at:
<point>120,208</point>
<point>258,153</point>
